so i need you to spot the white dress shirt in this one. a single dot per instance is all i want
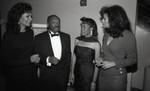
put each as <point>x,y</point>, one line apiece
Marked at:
<point>56,46</point>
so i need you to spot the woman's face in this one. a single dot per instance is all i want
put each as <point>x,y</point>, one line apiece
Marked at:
<point>26,19</point>
<point>85,29</point>
<point>105,21</point>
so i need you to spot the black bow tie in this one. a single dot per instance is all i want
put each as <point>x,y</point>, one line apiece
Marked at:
<point>54,35</point>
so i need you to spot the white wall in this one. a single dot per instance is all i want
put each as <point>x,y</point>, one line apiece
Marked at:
<point>70,12</point>
<point>143,44</point>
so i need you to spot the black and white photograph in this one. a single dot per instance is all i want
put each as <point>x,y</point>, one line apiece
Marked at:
<point>75,45</point>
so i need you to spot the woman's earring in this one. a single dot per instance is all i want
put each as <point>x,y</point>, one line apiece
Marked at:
<point>91,32</point>
<point>19,23</point>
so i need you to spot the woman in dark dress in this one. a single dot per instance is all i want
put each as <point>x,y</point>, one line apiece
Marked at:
<point>118,47</point>
<point>87,49</point>
<point>17,49</point>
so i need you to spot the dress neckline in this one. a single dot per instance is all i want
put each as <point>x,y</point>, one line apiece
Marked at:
<point>84,47</point>
<point>87,39</point>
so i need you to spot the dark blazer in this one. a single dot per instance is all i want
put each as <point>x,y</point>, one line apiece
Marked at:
<point>54,77</point>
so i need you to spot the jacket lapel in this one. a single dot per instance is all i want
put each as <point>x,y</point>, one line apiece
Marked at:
<point>48,40</point>
<point>62,43</point>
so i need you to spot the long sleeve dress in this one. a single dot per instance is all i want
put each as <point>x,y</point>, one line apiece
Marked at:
<point>123,52</point>
<point>16,51</point>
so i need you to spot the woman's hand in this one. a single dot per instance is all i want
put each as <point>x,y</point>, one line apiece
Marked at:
<point>93,86</point>
<point>104,64</point>
<point>108,64</point>
<point>99,61</point>
<point>71,78</point>
<point>35,58</point>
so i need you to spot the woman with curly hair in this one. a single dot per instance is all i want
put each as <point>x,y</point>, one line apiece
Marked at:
<point>118,47</point>
<point>17,49</point>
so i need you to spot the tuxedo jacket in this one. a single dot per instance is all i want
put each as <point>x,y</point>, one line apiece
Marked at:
<point>43,47</point>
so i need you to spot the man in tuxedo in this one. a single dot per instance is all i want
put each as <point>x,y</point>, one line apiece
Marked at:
<point>53,46</point>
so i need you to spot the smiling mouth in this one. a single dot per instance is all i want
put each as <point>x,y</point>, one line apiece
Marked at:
<point>56,27</point>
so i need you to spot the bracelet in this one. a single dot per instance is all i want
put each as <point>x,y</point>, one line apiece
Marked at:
<point>93,83</point>
<point>94,62</point>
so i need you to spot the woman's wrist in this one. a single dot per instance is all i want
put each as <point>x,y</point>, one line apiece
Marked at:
<point>93,83</point>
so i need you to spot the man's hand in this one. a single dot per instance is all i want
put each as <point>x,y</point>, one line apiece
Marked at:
<point>53,60</point>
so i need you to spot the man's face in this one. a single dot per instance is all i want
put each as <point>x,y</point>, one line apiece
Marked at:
<point>54,24</point>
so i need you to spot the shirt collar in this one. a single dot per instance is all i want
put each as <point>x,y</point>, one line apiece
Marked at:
<point>52,33</point>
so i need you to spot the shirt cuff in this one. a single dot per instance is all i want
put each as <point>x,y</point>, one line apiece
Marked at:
<point>47,62</point>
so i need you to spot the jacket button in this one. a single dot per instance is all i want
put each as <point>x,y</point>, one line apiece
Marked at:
<point>120,68</point>
<point>121,72</point>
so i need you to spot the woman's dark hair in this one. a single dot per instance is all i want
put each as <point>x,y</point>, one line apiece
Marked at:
<point>14,15</point>
<point>92,23</point>
<point>118,20</point>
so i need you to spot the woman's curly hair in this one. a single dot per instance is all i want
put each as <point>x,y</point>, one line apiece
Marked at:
<point>14,15</point>
<point>118,20</point>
